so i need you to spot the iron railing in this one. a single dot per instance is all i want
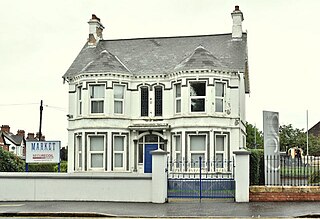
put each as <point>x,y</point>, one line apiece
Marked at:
<point>288,171</point>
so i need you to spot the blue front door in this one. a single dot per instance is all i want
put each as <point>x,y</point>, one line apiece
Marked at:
<point>148,157</point>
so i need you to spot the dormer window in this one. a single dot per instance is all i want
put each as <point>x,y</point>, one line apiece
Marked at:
<point>97,94</point>
<point>197,96</point>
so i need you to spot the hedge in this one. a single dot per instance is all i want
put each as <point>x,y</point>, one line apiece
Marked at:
<point>256,167</point>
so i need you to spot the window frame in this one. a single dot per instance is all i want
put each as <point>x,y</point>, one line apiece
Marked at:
<point>79,101</point>
<point>144,113</point>
<point>119,99</point>
<point>223,153</point>
<point>79,153</point>
<point>103,152</point>
<point>204,152</point>
<point>158,103</point>
<point>177,99</point>
<point>194,97</point>
<point>97,99</point>
<point>124,153</point>
<point>221,98</point>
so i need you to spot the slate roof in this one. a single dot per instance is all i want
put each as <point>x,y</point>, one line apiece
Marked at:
<point>161,55</point>
<point>200,59</point>
<point>16,139</point>
<point>315,130</point>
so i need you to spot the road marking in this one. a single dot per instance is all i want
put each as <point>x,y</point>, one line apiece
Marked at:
<point>11,205</point>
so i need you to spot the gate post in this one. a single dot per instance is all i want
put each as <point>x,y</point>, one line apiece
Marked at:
<point>159,176</point>
<point>241,175</point>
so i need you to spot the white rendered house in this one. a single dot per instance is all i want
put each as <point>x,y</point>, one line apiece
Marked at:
<point>184,94</point>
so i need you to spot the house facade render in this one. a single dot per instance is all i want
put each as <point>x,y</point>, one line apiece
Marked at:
<point>185,95</point>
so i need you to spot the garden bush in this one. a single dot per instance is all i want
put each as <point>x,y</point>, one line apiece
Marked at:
<point>314,178</point>
<point>256,167</point>
<point>9,162</point>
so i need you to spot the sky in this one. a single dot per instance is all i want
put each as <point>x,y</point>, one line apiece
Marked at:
<point>40,39</point>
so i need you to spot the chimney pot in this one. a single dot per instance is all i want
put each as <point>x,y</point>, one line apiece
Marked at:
<point>30,136</point>
<point>236,8</point>
<point>5,128</point>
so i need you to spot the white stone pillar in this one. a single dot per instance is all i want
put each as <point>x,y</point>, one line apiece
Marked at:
<point>241,175</point>
<point>159,176</point>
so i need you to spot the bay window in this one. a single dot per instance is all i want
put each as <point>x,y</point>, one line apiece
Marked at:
<point>97,152</point>
<point>177,90</point>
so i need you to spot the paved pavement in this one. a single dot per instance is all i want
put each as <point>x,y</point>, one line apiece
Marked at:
<point>171,209</point>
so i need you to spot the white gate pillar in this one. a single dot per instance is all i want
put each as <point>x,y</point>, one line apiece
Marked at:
<point>159,176</point>
<point>241,175</point>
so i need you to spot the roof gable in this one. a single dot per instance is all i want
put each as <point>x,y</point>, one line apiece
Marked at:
<point>200,59</point>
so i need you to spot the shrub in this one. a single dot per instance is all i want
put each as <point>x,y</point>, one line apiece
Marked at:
<point>41,167</point>
<point>314,177</point>
<point>9,162</point>
<point>256,167</point>
<point>63,167</point>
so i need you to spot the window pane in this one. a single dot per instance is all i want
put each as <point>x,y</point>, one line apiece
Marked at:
<point>118,143</point>
<point>151,138</point>
<point>219,160</point>
<point>195,160</point>
<point>118,107</point>
<point>97,160</point>
<point>79,93</point>
<point>219,105</point>
<point>96,143</point>
<point>197,143</point>
<point>220,143</point>
<point>178,106</point>
<point>80,160</point>
<point>178,143</point>
<point>79,143</point>
<point>197,89</point>
<point>158,101</point>
<point>118,91</point>
<point>97,106</point>
<point>197,105</point>
<point>178,90</point>
<point>118,160</point>
<point>178,158</point>
<point>220,89</point>
<point>144,101</point>
<point>97,91</point>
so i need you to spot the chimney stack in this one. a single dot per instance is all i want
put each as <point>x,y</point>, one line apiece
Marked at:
<point>5,128</point>
<point>21,133</point>
<point>237,18</point>
<point>30,136</point>
<point>95,30</point>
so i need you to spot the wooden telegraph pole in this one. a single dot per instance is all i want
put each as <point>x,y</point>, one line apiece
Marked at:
<point>41,109</point>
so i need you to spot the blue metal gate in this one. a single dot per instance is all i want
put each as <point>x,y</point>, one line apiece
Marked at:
<point>202,182</point>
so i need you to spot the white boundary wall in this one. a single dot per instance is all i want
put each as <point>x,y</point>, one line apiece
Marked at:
<point>75,187</point>
<point>116,187</point>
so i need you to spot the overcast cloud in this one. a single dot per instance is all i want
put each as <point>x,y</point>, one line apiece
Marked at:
<point>40,39</point>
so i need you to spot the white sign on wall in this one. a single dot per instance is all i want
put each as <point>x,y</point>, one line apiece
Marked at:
<point>43,152</point>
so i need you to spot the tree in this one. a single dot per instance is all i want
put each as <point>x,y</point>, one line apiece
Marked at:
<point>293,137</point>
<point>9,162</point>
<point>254,137</point>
